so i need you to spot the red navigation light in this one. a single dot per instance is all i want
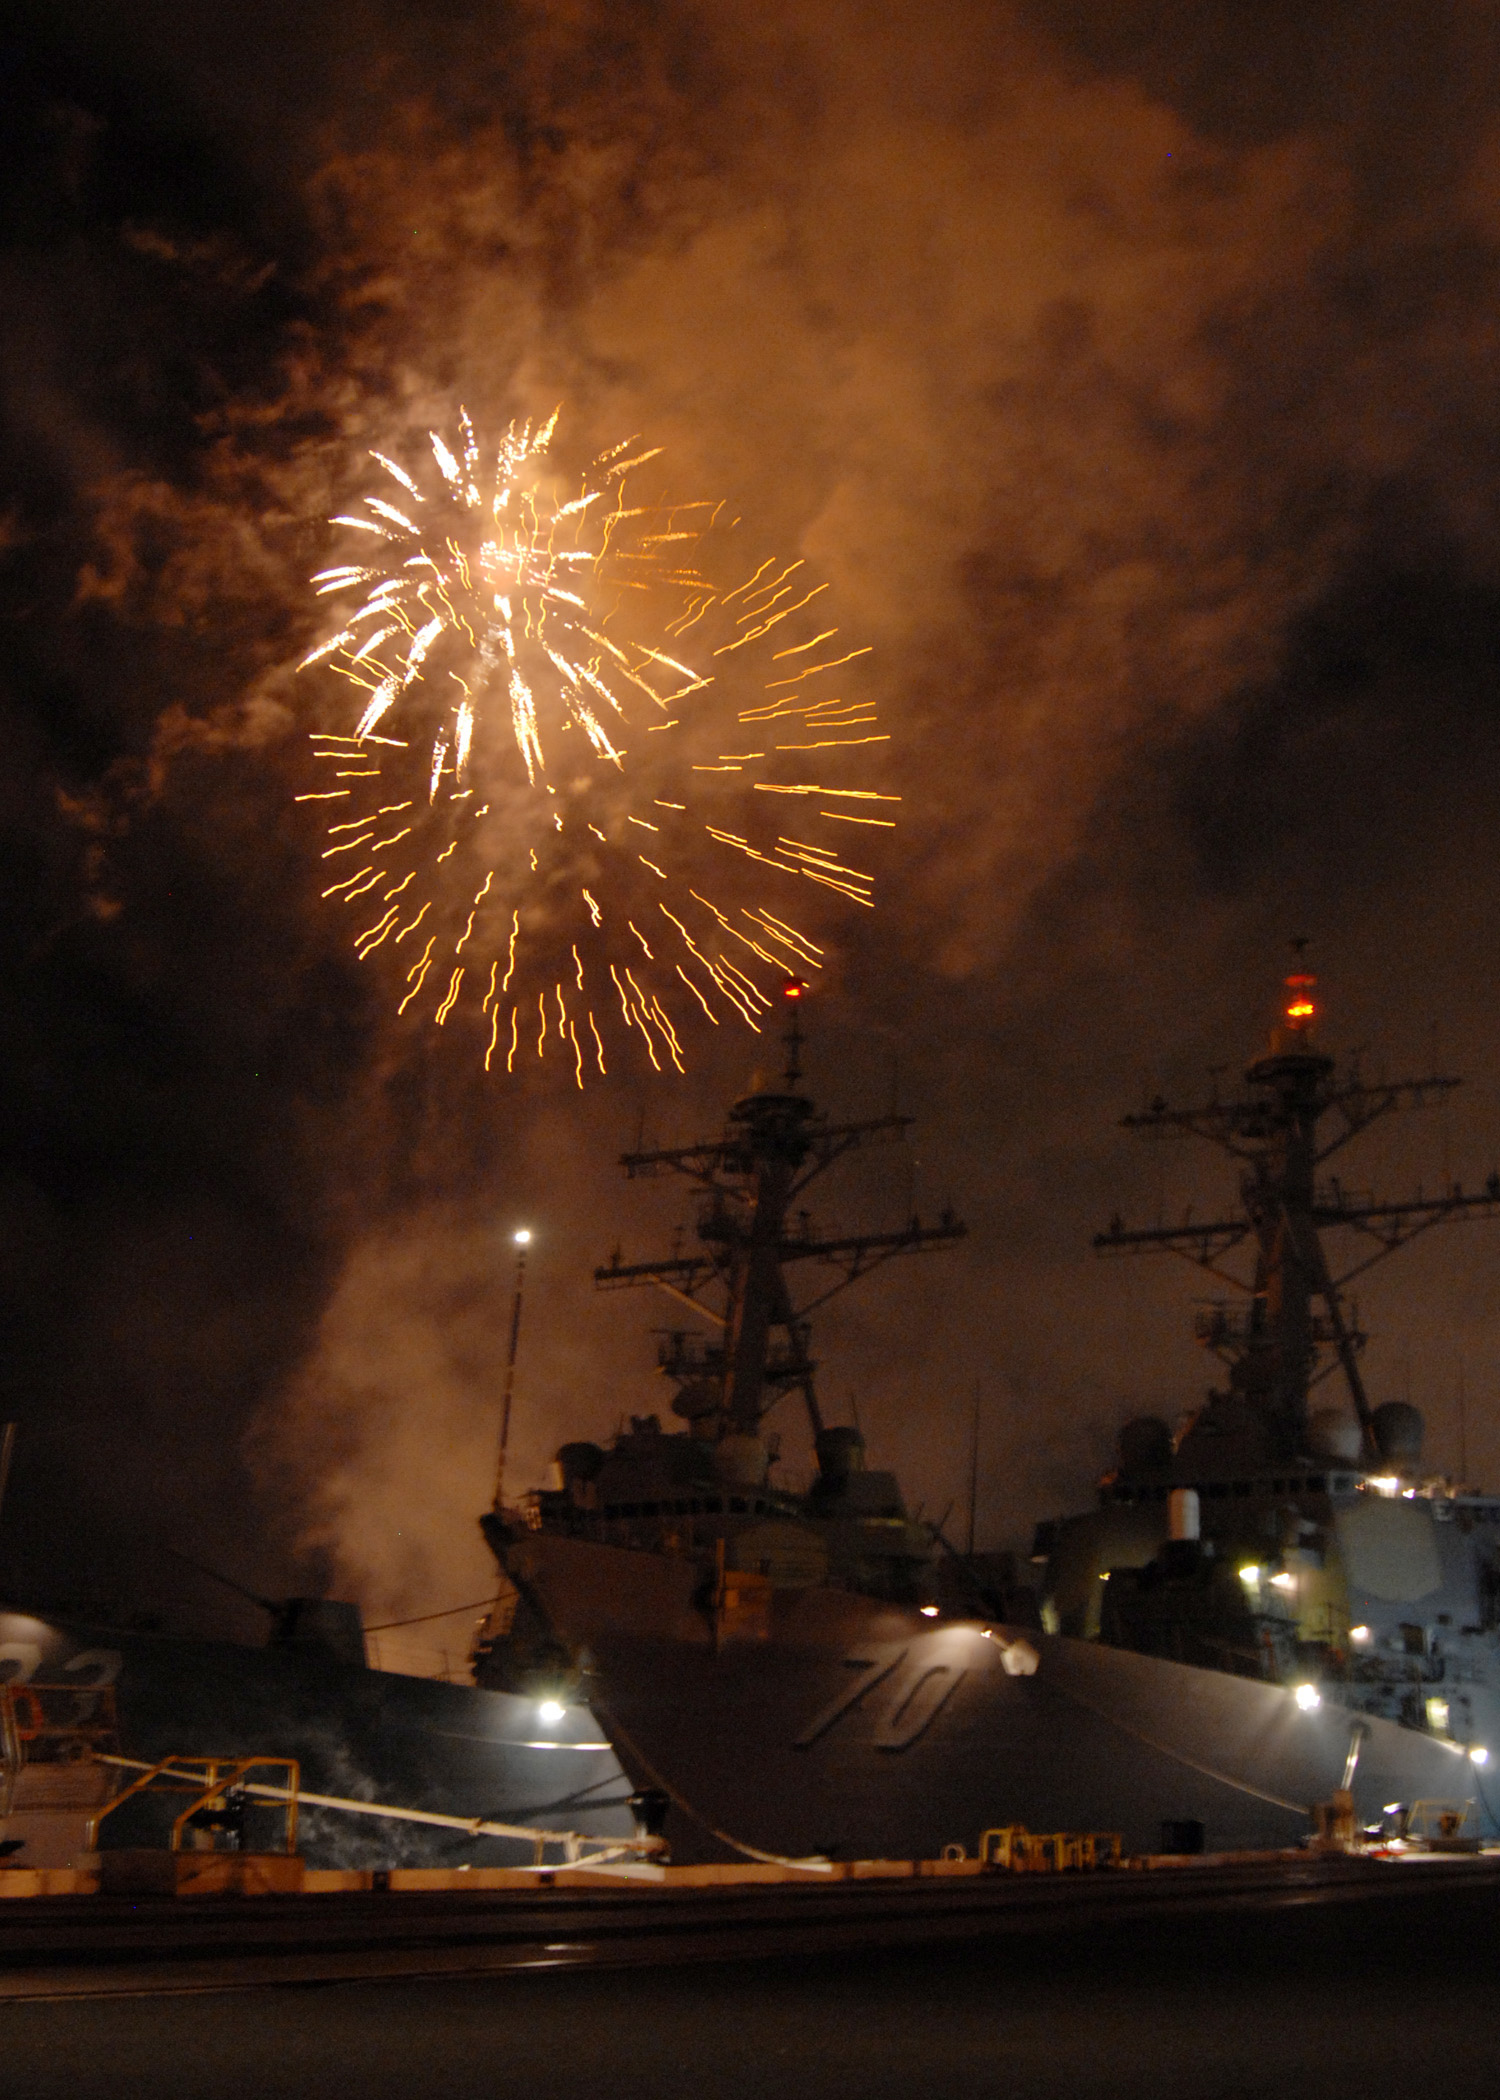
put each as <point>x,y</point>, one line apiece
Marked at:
<point>793,988</point>
<point>1300,1008</point>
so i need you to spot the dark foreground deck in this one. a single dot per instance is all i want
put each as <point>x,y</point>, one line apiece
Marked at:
<point>1244,1983</point>
<point>101,1945</point>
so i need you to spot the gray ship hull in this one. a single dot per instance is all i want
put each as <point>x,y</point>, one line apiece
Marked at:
<point>865,1730</point>
<point>943,1745</point>
<point>859,1730</point>
<point>406,1742</point>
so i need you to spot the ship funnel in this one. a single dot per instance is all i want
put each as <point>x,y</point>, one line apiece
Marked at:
<point>1331,1433</point>
<point>840,1453</point>
<point>1184,1515</point>
<point>741,1461</point>
<point>1398,1429</point>
<point>1145,1446</point>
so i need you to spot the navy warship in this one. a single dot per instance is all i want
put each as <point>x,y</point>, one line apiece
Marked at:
<point>687,1650</point>
<point>1267,1537</point>
<point>820,1673</point>
<point>393,1771</point>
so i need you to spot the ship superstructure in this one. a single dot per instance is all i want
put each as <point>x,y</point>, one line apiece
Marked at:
<point>785,1673</point>
<point>1270,1537</point>
<point>706,1493</point>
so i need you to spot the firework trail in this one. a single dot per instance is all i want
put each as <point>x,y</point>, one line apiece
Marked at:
<point>530,818</point>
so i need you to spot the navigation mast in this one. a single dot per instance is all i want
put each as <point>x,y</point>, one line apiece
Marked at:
<point>749,1235</point>
<point>1294,1324</point>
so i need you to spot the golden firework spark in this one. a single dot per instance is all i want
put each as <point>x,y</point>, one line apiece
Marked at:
<point>569,705</point>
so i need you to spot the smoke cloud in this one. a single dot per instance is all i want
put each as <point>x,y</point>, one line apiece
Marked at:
<point>1129,372</point>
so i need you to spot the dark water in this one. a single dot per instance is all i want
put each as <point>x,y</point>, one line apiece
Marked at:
<point>1350,2000</point>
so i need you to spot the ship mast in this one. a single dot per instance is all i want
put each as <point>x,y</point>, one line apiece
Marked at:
<point>776,1145</point>
<point>1295,1325</point>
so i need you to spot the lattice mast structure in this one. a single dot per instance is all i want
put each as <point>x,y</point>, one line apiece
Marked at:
<point>1294,1324</point>
<point>749,1237</point>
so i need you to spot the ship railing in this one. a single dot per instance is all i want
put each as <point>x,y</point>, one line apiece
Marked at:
<point>10,1757</point>
<point>57,1723</point>
<point>578,1848</point>
<point>1012,1848</point>
<point>1397,1671</point>
<point>63,1727</point>
<point>1435,1822</point>
<point>218,1789</point>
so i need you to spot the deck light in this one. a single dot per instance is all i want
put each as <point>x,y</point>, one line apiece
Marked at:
<point>1250,1574</point>
<point>1283,1581</point>
<point>1308,1698</point>
<point>1478,1755</point>
<point>551,1711</point>
<point>522,1238</point>
<point>1359,1633</point>
<point>929,1611</point>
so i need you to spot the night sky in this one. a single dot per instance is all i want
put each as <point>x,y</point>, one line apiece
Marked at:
<point>1132,373</point>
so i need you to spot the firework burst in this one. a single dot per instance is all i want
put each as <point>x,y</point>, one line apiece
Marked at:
<point>530,818</point>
